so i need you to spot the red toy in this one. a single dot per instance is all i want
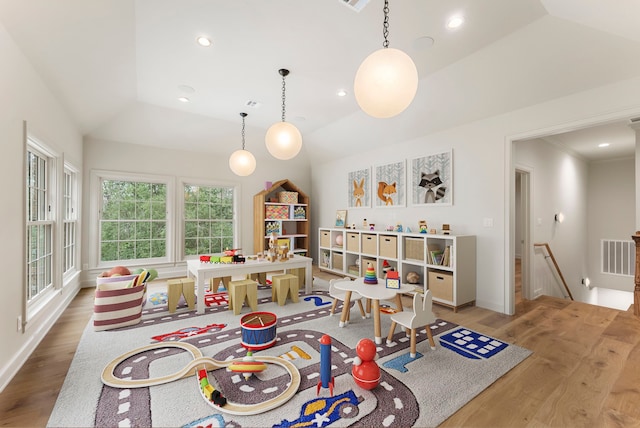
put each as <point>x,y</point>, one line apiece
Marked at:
<point>365,371</point>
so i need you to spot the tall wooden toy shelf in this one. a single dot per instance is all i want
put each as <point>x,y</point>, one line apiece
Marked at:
<point>452,284</point>
<point>289,220</point>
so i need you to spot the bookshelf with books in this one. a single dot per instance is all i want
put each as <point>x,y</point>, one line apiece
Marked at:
<point>446,264</point>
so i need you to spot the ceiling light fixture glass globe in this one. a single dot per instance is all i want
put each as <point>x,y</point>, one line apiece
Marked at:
<point>283,140</point>
<point>386,83</point>
<point>242,162</point>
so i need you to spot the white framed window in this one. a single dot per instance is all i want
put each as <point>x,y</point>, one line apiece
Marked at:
<point>209,222</point>
<point>70,220</point>
<point>40,210</point>
<point>134,218</point>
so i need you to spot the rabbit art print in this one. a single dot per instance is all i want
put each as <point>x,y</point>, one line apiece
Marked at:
<point>358,192</point>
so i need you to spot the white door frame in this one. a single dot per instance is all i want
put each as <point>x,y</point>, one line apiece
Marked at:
<point>526,193</point>
<point>509,179</point>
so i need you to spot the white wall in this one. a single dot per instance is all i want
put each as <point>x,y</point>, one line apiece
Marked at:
<point>559,184</point>
<point>24,97</point>
<point>483,178</point>
<point>611,212</point>
<point>112,156</point>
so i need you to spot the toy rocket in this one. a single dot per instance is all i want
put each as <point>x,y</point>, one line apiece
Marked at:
<point>326,380</point>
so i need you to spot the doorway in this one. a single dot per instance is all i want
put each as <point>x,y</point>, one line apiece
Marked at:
<point>522,236</point>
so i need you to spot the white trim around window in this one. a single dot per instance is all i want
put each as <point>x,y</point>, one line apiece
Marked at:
<point>95,191</point>
<point>43,264</point>
<point>180,210</point>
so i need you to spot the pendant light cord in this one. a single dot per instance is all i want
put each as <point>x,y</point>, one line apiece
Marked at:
<point>283,98</point>
<point>385,25</point>
<point>243,116</point>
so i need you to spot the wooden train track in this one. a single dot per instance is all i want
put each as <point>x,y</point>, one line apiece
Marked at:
<point>109,378</point>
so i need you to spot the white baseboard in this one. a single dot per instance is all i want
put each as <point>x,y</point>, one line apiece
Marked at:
<point>36,332</point>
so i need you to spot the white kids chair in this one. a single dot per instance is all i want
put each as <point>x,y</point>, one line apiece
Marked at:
<point>421,316</point>
<point>340,295</point>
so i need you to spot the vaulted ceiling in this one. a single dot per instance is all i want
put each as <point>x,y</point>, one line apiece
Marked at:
<point>119,66</point>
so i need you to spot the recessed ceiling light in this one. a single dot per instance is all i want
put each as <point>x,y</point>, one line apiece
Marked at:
<point>455,22</point>
<point>603,145</point>
<point>204,41</point>
<point>342,93</point>
<point>184,99</point>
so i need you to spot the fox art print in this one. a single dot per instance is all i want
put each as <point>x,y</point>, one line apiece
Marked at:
<point>358,192</point>
<point>431,182</point>
<point>385,191</point>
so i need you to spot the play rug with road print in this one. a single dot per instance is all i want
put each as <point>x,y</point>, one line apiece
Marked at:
<point>170,349</point>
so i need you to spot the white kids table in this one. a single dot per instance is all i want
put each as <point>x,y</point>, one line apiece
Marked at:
<point>375,292</point>
<point>201,272</point>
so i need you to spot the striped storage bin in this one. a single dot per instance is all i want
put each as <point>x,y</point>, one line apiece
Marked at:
<point>118,305</point>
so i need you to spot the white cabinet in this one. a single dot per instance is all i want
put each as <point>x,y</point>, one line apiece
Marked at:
<point>446,264</point>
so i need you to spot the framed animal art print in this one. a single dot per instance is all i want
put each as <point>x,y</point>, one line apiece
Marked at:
<point>389,185</point>
<point>432,179</point>
<point>359,185</point>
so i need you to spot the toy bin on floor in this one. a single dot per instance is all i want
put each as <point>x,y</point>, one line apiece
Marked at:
<point>117,304</point>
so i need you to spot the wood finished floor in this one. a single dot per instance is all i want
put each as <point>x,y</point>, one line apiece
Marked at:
<point>584,371</point>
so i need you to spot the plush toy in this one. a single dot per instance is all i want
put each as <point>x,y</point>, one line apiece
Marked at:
<point>116,271</point>
<point>153,274</point>
<point>413,277</point>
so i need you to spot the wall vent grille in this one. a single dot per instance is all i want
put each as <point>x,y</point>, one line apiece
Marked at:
<point>618,257</point>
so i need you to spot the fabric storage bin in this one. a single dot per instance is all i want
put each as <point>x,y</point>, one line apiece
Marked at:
<point>369,243</point>
<point>276,212</point>
<point>325,238</point>
<point>336,261</point>
<point>414,249</point>
<point>288,197</point>
<point>109,279</point>
<point>441,285</point>
<point>299,213</point>
<point>272,227</point>
<point>116,304</point>
<point>353,243</point>
<point>388,246</point>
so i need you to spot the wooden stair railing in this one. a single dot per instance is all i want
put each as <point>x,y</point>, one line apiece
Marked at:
<point>558,267</point>
<point>636,290</point>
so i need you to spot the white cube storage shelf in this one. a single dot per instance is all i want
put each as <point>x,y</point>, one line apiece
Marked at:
<point>444,263</point>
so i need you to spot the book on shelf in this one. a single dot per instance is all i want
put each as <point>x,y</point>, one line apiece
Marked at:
<point>446,256</point>
<point>431,250</point>
<point>436,257</point>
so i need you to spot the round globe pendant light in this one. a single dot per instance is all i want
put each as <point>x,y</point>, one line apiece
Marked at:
<point>283,139</point>
<point>242,162</point>
<point>387,80</point>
